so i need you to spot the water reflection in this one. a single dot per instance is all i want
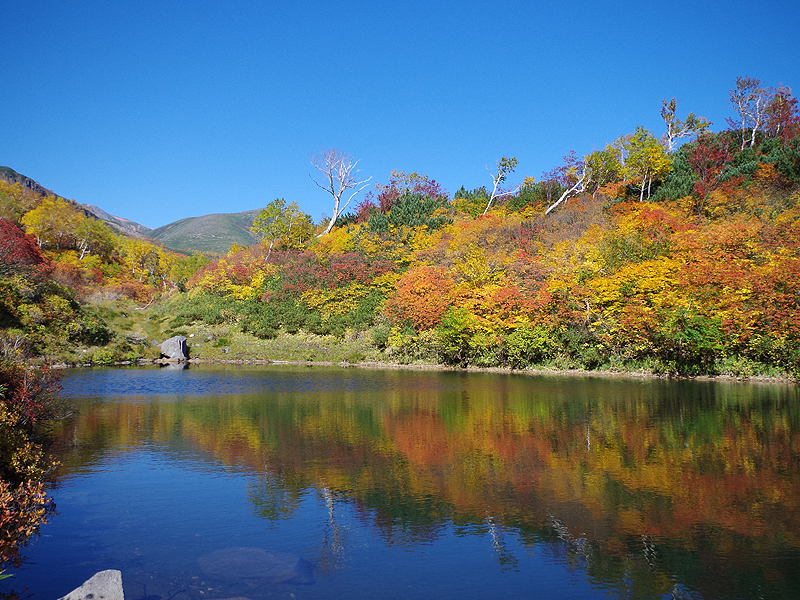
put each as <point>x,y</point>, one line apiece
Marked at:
<point>650,488</point>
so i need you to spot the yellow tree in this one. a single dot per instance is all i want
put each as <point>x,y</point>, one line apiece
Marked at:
<point>162,267</point>
<point>92,236</point>
<point>15,200</point>
<point>283,223</point>
<point>646,160</point>
<point>53,222</point>
<point>139,257</point>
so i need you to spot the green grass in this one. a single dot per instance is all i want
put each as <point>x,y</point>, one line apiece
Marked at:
<point>209,233</point>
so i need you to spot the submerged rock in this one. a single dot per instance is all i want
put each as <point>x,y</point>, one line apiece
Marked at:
<point>257,564</point>
<point>105,585</point>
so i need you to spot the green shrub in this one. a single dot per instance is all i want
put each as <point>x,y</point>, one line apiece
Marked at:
<point>528,345</point>
<point>411,210</point>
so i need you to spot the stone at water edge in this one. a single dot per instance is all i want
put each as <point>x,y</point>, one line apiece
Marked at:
<point>105,585</point>
<point>175,348</point>
<point>257,564</point>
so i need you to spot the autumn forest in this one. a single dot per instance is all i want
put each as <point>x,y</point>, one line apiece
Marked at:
<point>669,252</point>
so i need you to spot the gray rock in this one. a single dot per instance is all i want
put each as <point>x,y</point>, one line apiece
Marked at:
<point>175,348</point>
<point>257,566</point>
<point>105,585</point>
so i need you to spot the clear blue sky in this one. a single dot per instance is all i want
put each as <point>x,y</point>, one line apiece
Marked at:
<point>160,110</point>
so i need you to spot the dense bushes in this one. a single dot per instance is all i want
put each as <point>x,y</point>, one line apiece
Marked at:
<point>28,400</point>
<point>700,274</point>
<point>35,305</point>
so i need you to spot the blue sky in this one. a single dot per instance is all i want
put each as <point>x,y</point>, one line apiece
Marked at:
<point>160,110</point>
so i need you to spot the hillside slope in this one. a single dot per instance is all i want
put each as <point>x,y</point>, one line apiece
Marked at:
<point>209,233</point>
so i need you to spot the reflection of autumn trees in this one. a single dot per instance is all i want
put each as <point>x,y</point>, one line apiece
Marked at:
<point>621,466</point>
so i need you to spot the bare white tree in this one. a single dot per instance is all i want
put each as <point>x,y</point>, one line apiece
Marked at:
<point>505,166</point>
<point>579,185</point>
<point>340,177</point>
<point>750,102</point>
<point>577,175</point>
<point>692,126</point>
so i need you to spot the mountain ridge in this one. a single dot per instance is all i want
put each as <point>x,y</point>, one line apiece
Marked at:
<point>209,234</point>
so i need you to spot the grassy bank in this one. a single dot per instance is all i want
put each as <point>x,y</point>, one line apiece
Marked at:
<point>138,331</point>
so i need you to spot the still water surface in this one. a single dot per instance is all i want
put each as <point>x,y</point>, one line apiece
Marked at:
<point>407,484</point>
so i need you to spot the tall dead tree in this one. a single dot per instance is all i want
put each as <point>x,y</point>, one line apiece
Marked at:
<point>340,177</point>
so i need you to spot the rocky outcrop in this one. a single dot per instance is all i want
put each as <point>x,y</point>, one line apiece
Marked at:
<point>126,226</point>
<point>105,585</point>
<point>175,348</point>
<point>12,176</point>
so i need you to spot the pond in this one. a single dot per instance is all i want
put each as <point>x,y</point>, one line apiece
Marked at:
<point>222,481</point>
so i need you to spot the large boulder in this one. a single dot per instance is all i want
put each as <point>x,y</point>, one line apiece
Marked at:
<point>105,585</point>
<point>175,348</point>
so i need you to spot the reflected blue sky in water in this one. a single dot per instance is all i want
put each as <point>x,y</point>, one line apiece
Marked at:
<point>153,501</point>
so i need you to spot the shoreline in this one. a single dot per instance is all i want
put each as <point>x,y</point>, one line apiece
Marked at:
<point>763,379</point>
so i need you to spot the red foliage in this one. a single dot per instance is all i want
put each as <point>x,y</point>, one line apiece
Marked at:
<point>138,292</point>
<point>68,274</point>
<point>708,158</point>
<point>26,392</point>
<point>19,253</point>
<point>783,119</point>
<point>508,303</point>
<point>302,272</point>
<point>23,509</point>
<point>365,209</point>
<point>572,163</point>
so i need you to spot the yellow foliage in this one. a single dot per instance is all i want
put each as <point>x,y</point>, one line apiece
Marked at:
<point>53,222</point>
<point>791,216</point>
<point>337,241</point>
<point>422,239</point>
<point>483,231</point>
<point>489,317</point>
<point>571,261</point>
<point>335,301</point>
<point>16,199</point>
<point>477,269</point>
<point>234,280</point>
<point>646,280</point>
<point>66,256</point>
<point>370,243</point>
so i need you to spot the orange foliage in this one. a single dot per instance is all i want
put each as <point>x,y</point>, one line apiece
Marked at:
<point>421,297</point>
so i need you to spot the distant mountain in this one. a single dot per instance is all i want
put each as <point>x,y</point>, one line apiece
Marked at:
<point>119,223</point>
<point>209,233</point>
